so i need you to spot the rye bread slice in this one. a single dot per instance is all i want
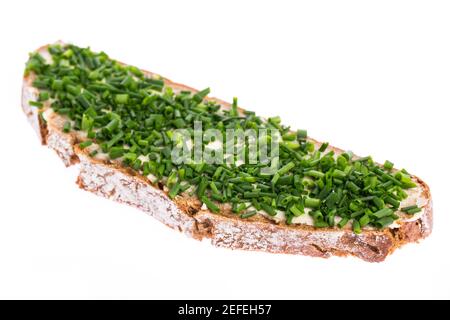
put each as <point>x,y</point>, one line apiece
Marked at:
<point>110,180</point>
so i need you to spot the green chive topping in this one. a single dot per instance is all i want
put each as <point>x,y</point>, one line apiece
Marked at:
<point>211,205</point>
<point>133,118</point>
<point>312,203</point>
<point>388,165</point>
<point>85,144</point>
<point>36,104</point>
<point>411,209</point>
<point>66,127</point>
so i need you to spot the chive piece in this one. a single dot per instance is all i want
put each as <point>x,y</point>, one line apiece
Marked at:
<point>202,187</point>
<point>392,201</point>
<point>343,222</point>
<point>174,190</point>
<point>270,210</point>
<point>86,123</point>
<point>85,144</point>
<point>411,209</point>
<point>179,123</point>
<point>339,174</point>
<point>289,136</point>
<point>248,214</point>
<point>116,152</point>
<point>388,165</point>
<point>199,96</point>
<point>315,174</point>
<point>285,169</point>
<point>67,126</point>
<point>211,205</point>
<point>357,214</point>
<point>234,111</point>
<point>383,213</point>
<point>312,203</point>
<point>364,220</point>
<point>302,134</point>
<point>296,211</point>
<point>320,224</point>
<point>249,195</point>
<point>122,98</point>
<point>112,125</point>
<point>353,187</point>
<point>384,222</point>
<point>43,96</point>
<point>356,227</point>
<point>289,219</point>
<point>405,209</point>
<point>323,147</point>
<point>293,145</point>
<point>213,187</point>
<point>379,203</point>
<point>36,104</point>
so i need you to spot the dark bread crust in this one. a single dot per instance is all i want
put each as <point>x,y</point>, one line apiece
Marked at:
<point>225,230</point>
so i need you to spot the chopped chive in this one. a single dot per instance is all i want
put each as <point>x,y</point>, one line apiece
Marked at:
<point>214,187</point>
<point>112,125</point>
<point>86,123</point>
<point>323,147</point>
<point>379,203</point>
<point>116,152</point>
<point>343,222</point>
<point>285,169</point>
<point>179,123</point>
<point>364,220</point>
<point>270,210</point>
<point>234,111</point>
<point>36,104</point>
<point>302,134</point>
<point>293,145</point>
<point>122,98</point>
<point>202,187</point>
<point>356,227</point>
<point>211,205</point>
<point>174,190</point>
<point>85,144</point>
<point>352,186</point>
<point>253,194</point>
<point>338,174</point>
<point>315,174</point>
<point>199,96</point>
<point>312,203</point>
<point>383,213</point>
<point>248,214</point>
<point>67,126</point>
<point>392,201</point>
<point>411,209</point>
<point>388,165</point>
<point>384,222</point>
<point>44,96</point>
<point>320,224</point>
<point>404,209</point>
<point>296,211</point>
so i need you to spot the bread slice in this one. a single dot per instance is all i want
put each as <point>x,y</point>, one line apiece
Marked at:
<point>110,180</point>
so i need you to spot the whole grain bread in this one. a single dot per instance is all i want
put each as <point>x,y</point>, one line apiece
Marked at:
<point>185,213</point>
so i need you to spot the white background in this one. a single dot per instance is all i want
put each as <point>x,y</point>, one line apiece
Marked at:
<point>371,76</point>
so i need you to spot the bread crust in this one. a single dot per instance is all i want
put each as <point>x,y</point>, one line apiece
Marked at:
<point>224,230</point>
